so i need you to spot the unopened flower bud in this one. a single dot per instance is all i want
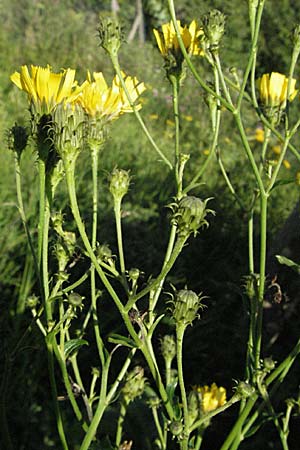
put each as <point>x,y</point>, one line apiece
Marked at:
<point>32,301</point>
<point>119,183</point>
<point>244,390</point>
<point>214,28</point>
<point>134,274</point>
<point>186,306</point>
<point>194,405</point>
<point>176,428</point>
<point>69,129</point>
<point>268,364</point>
<point>75,299</point>
<point>190,213</point>
<point>17,139</point>
<point>134,384</point>
<point>168,348</point>
<point>104,253</point>
<point>110,34</point>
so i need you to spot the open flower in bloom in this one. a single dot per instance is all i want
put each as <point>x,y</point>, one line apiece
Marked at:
<point>211,397</point>
<point>46,89</point>
<point>108,103</point>
<point>273,89</point>
<point>168,43</point>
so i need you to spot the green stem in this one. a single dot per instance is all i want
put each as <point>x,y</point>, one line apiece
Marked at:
<point>65,375</point>
<point>162,440</point>
<point>236,430</point>
<point>179,344</point>
<point>44,261</point>
<point>42,192</point>
<point>262,275</point>
<point>105,399</point>
<point>23,215</point>
<point>117,211</point>
<point>121,418</point>
<point>59,422</point>
<point>100,346</point>
<point>116,66</point>
<point>165,270</point>
<point>175,85</point>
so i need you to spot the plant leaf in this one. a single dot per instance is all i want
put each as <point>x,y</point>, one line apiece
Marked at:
<point>289,263</point>
<point>121,340</point>
<point>73,345</point>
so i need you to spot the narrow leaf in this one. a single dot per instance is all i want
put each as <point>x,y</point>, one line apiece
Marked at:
<point>73,345</point>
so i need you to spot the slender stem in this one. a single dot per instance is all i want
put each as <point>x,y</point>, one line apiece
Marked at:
<point>95,157</point>
<point>116,65</point>
<point>262,275</point>
<point>160,433</point>
<point>44,261</point>
<point>179,343</point>
<point>59,421</point>
<point>165,270</point>
<point>175,85</point>
<point>42,192</point>
<point>105,399</point>
<point>121,418</point>
<point>117,211</point>
<point>23,214</point>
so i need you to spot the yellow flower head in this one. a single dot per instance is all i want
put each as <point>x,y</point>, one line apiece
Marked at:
<point>108,103</point>
<point>273,89</point>
<point>259,134</point>
<point>211,397</point>
<point>168,43</point>
<point>46,89</point>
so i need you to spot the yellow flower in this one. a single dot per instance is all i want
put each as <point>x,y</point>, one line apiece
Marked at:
<point>286,164</point>
<point>273,89</point>
<point>167,40</point>
<point>211,397</point>
<point>259,134</point>
<point>46,89</point>
<point>277,149</point>
<point>108,103</point>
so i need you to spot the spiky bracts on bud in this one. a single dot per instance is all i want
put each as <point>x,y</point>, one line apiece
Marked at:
<point>110,34</point>
<point>69,131</point>
<point>17,138</point>
<point>168,348</point>
<point>186,304</point>
<point>119,183</point>
<point>214,27</point>
<point>190,215</point>
<point>134,384</point>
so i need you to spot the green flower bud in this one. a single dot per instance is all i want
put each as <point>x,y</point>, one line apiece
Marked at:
<point>32,301</point>
<point>268,364</point>
<point>110,34</point>
<point>95,372</point>
<point>134,384</point>
<point>134,274</point>
<point>44,136</point>
<point>176,428</point>
<point>104,253</point>
<point>186,305</point>
<point>119,183</point>
<point>69,130</point>
<point>214,28</point>
<point>244,390</point>
<point>75,299</point>
<point>17,139</point>
<point>168,348</point>
<point>194,405</point>
<point>190,215</point>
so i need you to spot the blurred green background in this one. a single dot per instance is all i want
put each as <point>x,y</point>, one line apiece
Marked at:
<point>64,34</point>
